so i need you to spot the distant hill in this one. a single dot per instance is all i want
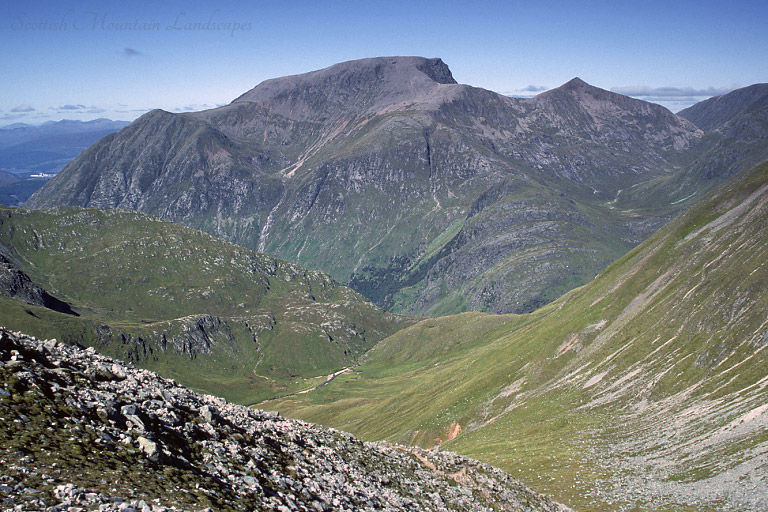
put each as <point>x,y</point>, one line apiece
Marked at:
<point>50,146</point>
<point>644,390</point>
<point>208,313</point>
<point>46,148</point>
<point>7,177</point>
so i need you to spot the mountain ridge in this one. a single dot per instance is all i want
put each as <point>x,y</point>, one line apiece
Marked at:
<point>446,197</point>
<point>600,103</point>
<point>739,124</point>
<point>363,86</point>
<point>713,113</point>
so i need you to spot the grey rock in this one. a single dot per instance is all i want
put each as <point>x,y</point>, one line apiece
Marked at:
<point>14,283</point>
<point>206,413</point>
<point>149,448</point>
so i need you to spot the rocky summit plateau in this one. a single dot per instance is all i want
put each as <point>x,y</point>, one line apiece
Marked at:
<point>81,431</point>
<point>427,196</point>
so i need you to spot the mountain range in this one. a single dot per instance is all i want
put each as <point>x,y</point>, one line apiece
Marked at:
<point>49,146</point>
<point>45,149</point>
<point>633,385</point>
<point>426,196</point>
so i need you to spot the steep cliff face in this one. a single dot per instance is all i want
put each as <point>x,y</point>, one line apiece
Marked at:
<point>425,195</point>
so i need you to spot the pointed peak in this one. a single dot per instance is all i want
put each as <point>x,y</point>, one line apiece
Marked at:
<point>578,87</point>
<point>575,86</point>
<point>576,82</point>
<point>156,112</point>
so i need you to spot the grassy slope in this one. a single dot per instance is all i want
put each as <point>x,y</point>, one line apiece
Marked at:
<point>643,390</point>
<point>141,284</point>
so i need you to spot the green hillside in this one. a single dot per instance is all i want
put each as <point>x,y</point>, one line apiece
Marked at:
<point>643,390</point>
<point>206,312</point>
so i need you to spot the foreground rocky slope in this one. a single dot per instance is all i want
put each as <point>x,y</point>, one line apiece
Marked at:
<point>81,431</point>
<point>216,316</point>
<point>644,390</point>
<point>425,195</point>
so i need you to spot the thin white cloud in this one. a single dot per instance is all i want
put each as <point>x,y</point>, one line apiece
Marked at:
<point>132,110</point>
<point>78,108</point>
<point>671,93</point>
<point>194,107</point>
<point>23,108</point>
<point>528,91</point>
<point>13,117</point>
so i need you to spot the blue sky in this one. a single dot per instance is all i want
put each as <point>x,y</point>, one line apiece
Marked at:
<point>83,60</point>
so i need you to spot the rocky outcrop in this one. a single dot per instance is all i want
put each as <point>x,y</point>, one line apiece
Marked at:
<point>15,284</point>
<point>81,431</point>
